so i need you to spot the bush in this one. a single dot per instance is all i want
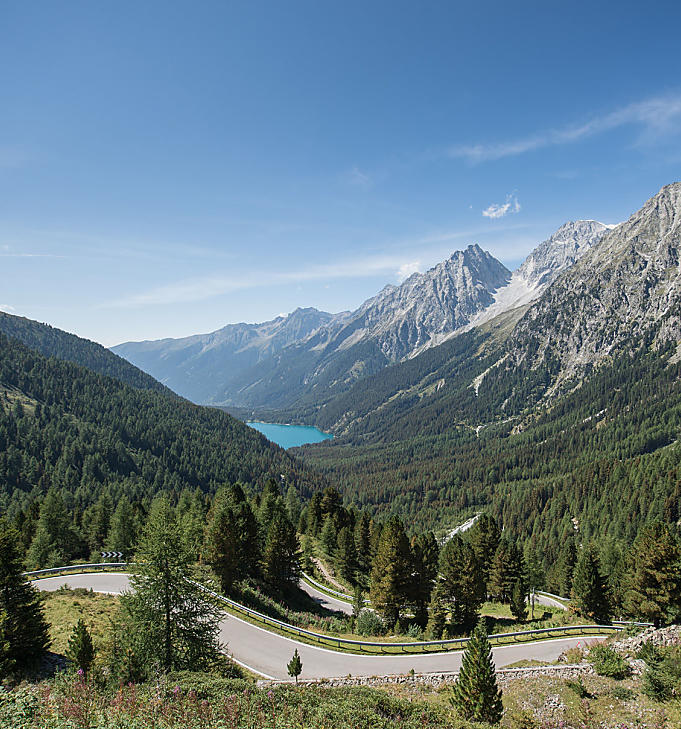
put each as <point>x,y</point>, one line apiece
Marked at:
<point>607,662</point>
<point>622,694</point>
<point>368,623</point>
<point>579,688</point>
<point>662,677</point>
<point>414,631</point>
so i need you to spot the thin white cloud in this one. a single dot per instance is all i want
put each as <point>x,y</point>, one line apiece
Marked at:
<point>657,117</point>
<point>359,178</point>
<point>7,308</point>
<point>407,269</point>
<point>511,206</point>
<point>207,287</point>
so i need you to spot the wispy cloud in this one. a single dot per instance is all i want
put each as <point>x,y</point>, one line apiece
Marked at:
<point>358,178</point>
<point>207,287</point>
<point>499,211</point>
<point>407,269</point>
<point>656,117</point>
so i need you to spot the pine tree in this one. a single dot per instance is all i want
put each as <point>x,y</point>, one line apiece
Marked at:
<point>476,695</point>
<point>346,557</point>
<point>174,621</point>
<point>590,593</point>
<point>462,586</point>
<point>295,666</point>
<point>507,569</point>
<point>363,542</point>
<point>124,529</point>
<point>518,600</point>
<point>567,566</point>
<point>54,541</point>
<point>293,505</point>
<point>328,537</point>
<point>391,573</point>
<point>281,557</point>
<point>80,648</point>
<point>653,582</point>
<point>484,537</point>
<point>23,630</point>
<point>231,544</point>
<point>424,557</point>
<point>437,619</point>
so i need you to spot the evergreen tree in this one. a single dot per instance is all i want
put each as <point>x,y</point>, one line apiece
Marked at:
<point>174,621</point>
<point>124,529</point>
<point>23,630</point>
<point>357,603</point>
<point>476,695</point>
<point>424,557</point>
<point>507,569</point>
<point>281,557</point>
<point>192,524</point>
<point>484,536</point>
<point>328,537</point>
<point>363,542</point>
<point>346,557</point>
<point>568,561</point>
<point>295,666</point>
<point>590,593</point>
<point>98,521</point>
<point>231,544</point>
<point>293,505</point>
<point>461,582</point>
<point>80,649</point>
<point>54,542</point>
<point>391,573</point>
<point>437,619</point>
<point>653,583</point>
<point>518,600</point>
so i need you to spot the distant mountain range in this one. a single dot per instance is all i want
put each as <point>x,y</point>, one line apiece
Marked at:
<point>309,357</point>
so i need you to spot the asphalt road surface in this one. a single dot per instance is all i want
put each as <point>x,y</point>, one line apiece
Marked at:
<point>267,653</point>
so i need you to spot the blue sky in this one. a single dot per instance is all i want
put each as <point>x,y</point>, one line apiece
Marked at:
<point>167,168</point>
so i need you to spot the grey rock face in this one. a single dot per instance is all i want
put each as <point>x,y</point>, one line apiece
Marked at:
<point>624,287</point>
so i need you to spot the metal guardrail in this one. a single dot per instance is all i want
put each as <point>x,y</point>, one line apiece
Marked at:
<point>347,598</point>
<point>550,594</point>
<point>70,568</point>
<point>360,645</point>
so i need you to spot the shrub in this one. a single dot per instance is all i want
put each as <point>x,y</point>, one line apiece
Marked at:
<point>607,662</point>
<point>662,677</point>
<point>622,694</point>
<point>414,631</point>
<point>368,623</point>
<point>579,688</point>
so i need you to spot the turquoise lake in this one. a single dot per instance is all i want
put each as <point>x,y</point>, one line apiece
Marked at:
<point>290,436</point>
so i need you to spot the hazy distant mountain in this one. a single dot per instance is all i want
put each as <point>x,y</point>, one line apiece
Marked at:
<point>203,366</point>
<point>316,354</point>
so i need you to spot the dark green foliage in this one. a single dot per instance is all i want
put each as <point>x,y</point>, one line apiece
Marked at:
<point>80,648</point>
<point>369,624</point>
<point>506,571</point>
<point>590,591</point>
<point>87,434</point>
<point>52,342</point>
<point>518,600</point>
<point>425,555</point>
<point>607,662</point>
<point>476,695</point>
<point>295,665</point>
<point>484,536</point>
<point>662,675</point>
<point>437,615</point>
<point>55,542</point>
<point>346,557</point>
<point>579,688</point>
<point>568,560</point>
<point>281,556</point>
<point>231,545</point>
<point>391,572</point>
<point>124,529</point>
<point>460,585</point>
<point>23,630</point>
<point>653,582</point>
<point>173,621</point>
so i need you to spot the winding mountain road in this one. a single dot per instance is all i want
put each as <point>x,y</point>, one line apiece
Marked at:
<point>268,653</point>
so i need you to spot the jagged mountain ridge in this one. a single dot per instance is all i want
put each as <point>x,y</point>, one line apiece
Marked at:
<point>253,366</point>
<point>625,288</point>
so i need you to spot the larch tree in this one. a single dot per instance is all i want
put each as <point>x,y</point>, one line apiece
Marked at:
<point>175,622</point>
<point>462,584</point>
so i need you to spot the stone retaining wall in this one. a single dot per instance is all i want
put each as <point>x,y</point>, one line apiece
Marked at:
<point>504,675</point>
